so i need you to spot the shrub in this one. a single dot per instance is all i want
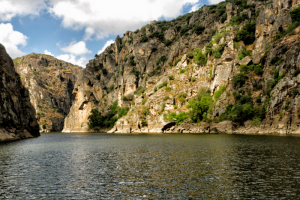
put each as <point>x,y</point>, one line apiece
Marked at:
<point>165,83</point>
<point>256,122</point>
<point>140,91</point>
<point>144,39</point>
<point>110,51</point>
<point>171,77</point>
<point>193,79</point>
<point>200,108</point>
<point>286,106</point>
<point>137,30</point>
<point>257,86</point>
<point>295,15</point>
<point>145,111</point>
<point>198,29</point>
<point>218,37</point>
<point>166,97</point>
<point>295,92</point>
<point>175,107</point>
<point>182,71</point>
<point>219,92</point>
<point>144,122</point>
<point>200,59</point>
<point>177,61</point>
<point>155,89</point>
<point>258,99</point>
<point>168,89</point>
<point>274,60</point>
<point>144,101</point>
<point>160,86</point>
<point>123,112</point>
<point>247,33</point>
<point>111,88</point>
<point>223,18</point>
<point>104,71</point>
<point>190,55</point>
<point>44,126</point>
<point>182,99</point>
<point>179,118</point>
<point>162,59</point>
<point>296,72</point>
<point>243,53</point>
<point>126,98</point>
<point>239,79</point>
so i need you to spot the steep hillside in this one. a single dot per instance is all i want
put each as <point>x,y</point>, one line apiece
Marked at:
<point>50,83</point>
<point>17,116</point>
<point>226,68</point>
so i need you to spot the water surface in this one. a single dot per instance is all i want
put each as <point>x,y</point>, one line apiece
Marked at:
<point>178,166</point>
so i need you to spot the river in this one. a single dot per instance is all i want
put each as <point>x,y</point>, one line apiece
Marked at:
<point>175,166</point>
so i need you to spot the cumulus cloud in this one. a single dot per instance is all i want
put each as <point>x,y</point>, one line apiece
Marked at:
<point>108,43</point>
<point>12,40</point>
<point>10,9</point>
<point>78,48</point>
<point>48,53</point>
<point>81,61</point>
<point>114,16</point>
<point>215,1</point>
<point>195,7</point>
<point>88,33</point>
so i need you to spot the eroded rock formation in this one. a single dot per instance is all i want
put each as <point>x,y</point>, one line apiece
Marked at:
<point>17,115</point>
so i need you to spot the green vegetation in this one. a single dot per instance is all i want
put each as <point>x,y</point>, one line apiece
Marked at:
<point>181,71</point>
<point>239,80</point>
<point>193,79</point>
<point>247,33</point>
<point>295,15</point>
<point>131,61</point>
<point>144,39</point>
<point>168,89</point>
<point>257,69</point>
<point>97,120</point>
<point>287,31</point>
<point>179,118</point>
<point>295,93</point>
<point>274,60</point>
<point>111,88</point>
<point>140,91</point>
<point>104,71</point>
<point>144,101</point>
<point>199,58</point>
<point>296,72</point>
<point>146,111</point>
<point>44,126</point>
<point>144,122</point>
<point>162,59</point>
<point>177,61</point>
<point>171,77</point>
<point>243,53</point>
<point>218,51</point>
<point>219,92</point>
<point>155,89</point>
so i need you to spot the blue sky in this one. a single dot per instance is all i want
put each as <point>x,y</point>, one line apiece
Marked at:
<point>75,31</point>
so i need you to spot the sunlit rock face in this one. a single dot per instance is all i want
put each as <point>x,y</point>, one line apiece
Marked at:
<point>50,83</point>
<point>17,115</point>
<point>145,59</point>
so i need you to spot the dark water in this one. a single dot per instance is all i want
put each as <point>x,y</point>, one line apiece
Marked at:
<point>102,166</point>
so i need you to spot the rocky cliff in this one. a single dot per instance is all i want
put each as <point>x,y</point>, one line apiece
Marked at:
<point>226,68</point>
<point>17,115</point>
<point>50,83</point>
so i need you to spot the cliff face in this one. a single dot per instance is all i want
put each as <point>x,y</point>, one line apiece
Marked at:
<point>50,83</point>
<point>17,116</point>
<point>226,68</point>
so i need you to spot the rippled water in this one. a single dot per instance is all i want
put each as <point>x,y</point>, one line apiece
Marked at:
<point>102,166</point>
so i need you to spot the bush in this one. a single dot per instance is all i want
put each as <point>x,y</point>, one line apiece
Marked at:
<point>296,72</point>
<point>179,118</point>
<point>166,97</point>
<point>258,99</point>
<point>168,89</point>
<point>200,59</point>
<point>165,83</point>
<point>198,29</point>
<point>200,108</point>
<point>274,60</point>
<point>247,33</point>
<point>111,88</point>
<point>140,91</point>
<point>146,111</point>
<point>239,80</point>
<point>144,101</point>
<point>190,55</point>
<point>104,71</point>
<point>171,77</point>
<point>123,112</point>
<point>243,53</point>
<point>175,107</point>
<point>44,126</point>
<point>256,122</point>
<point>295,93</point>
<point>182,99</point>
<point>110,51</point>
<point>219,92</point>
<point>160,86</point>
<point>182,71</point>
<point>295,15</point>
<point>137,30</point>
<point>177,61</point>
<point>162,59</point>
<point>144,122</point>
<point>144,39</point>
<point>155,89</point>
<point>193,79</point>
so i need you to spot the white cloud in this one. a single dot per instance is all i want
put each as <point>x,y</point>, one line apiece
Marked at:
<point>10,9</point>
<point>12,39</point>
<point>48,53</point>
<point>114,16</point>
<point>78,48</point>
<point>88,33</point>
<point>215,1</point>
<point>195,7</point>
<point>108,43</point>
<point>81,61</point>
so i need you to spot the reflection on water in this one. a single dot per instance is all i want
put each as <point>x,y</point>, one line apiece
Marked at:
<point>93,166</point>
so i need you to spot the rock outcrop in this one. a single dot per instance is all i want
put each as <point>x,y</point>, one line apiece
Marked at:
<point>244,56</point>
<point>50,83</point>
<point>17,115</point>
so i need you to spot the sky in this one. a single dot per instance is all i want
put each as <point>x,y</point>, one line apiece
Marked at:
<point>76,30</point>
